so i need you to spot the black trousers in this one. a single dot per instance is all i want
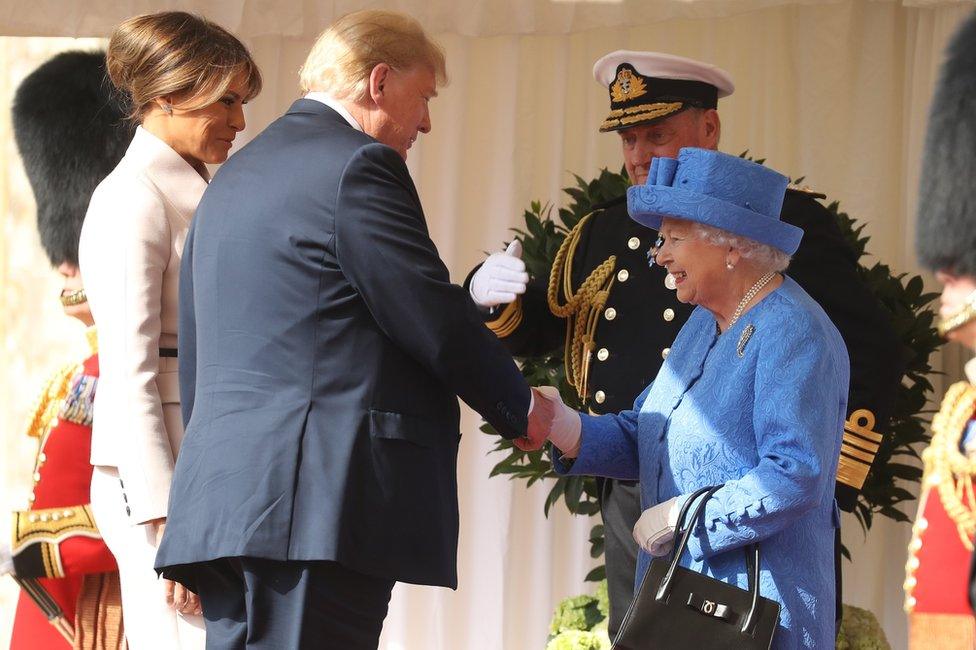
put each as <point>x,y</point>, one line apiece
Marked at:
<point>268,604</point>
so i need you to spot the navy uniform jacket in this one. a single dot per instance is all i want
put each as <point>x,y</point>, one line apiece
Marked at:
<point>322,345</point>
<point>642,316</point>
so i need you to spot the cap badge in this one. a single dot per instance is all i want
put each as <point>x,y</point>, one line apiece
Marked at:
<point>627,86</point>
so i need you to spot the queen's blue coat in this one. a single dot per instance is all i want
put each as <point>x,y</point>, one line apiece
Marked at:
<point>763,414</point>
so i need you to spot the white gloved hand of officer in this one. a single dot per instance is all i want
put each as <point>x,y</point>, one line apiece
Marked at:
<point>654,530</point>
<point>501,279</point>
<point>6,560</point>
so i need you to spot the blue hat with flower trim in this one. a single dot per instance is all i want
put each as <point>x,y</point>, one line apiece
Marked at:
<point>718,190</point>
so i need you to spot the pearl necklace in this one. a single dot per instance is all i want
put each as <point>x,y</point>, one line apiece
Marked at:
<point>750,294</point>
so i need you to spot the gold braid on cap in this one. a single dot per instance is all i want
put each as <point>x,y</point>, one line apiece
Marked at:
<point>582,308</point>
<point>947,468</point>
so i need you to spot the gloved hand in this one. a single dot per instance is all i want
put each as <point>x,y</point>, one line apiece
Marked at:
<point>501,279</point>
<point>654,530</point>
<point>550,419</point>
<point>6,560</point>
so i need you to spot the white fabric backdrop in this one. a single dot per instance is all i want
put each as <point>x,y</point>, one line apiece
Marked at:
<point>836,91</point>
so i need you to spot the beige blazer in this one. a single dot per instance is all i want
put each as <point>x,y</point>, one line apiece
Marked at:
<point>130,250</point>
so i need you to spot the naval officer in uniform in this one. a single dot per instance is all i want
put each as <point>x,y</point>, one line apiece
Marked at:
<point>617,315</point>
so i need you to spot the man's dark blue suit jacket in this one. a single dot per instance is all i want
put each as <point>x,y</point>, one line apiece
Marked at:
<point>322,345</point>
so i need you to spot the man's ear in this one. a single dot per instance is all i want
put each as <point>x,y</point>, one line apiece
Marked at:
<point>378,78</point>
<point>712,128</point>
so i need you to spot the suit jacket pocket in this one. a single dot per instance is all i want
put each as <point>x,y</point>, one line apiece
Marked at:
<point>425,432</point>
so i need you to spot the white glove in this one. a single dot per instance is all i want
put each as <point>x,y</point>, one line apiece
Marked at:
<point>6,560</point>
<point>654,531</point>
<point>501,279</point>
<point>566,423</point>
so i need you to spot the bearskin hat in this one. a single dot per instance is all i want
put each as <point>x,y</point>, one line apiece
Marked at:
<point>71,130</point>
<point>946,234</point>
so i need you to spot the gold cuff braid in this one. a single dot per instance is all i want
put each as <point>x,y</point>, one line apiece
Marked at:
<point>507,321</point>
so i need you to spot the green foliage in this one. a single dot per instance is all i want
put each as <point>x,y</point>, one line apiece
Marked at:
<point>576,613</point>
<point>859,630</point>
<point>902,296</point>
<point>908,306</point>
<point>580,640</point>
<point>580,622</point>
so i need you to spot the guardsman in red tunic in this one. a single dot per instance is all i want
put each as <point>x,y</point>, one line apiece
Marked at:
<point>70,133</point>
<point>937,583</point>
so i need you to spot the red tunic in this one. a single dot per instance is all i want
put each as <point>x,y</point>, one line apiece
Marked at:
<point>937,582</point>
<point>62,481</point>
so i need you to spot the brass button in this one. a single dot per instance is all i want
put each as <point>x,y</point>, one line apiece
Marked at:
<point>633,243</point>
<point>610,313</point>
<point>665,352</point>
<point>37,476</point>
<point>910,603</point>
<point>922,523</point>
<point>915,546</point>
<point>669,314</point>
<point>602,354</point>
<point>913,564</point>
<point>622,275</point>
<point>669,282</point>
<point>32,518</point>
<point>910,582</point>
<point>41,458</point>
<point>67,513</point>
<point>55,516</point>
<point>44,517</point>
<point>600,397</point>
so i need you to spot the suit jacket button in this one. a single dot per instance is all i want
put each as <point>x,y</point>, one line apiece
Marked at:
<point>600,397</point>
<point>610,313</point>
<point>633,243</point>
<point>602,354</point>
<point>665,352</point>
<point>622,275</point>
<point>669,282</point>
<point>669,314</point>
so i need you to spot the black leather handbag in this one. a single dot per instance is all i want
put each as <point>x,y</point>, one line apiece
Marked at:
<point>679,608</point>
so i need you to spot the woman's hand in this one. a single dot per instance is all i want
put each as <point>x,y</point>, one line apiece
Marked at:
<point>654,530</point>
<point>551,419</point>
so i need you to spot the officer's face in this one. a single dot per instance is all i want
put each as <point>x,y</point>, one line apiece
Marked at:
<point>955,291</point>
<point>689,128</point>
<point>698,266</point>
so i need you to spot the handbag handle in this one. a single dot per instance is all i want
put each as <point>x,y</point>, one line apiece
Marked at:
<point>753,557</point>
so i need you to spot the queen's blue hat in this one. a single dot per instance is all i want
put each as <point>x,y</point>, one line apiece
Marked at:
<point>718,190</point>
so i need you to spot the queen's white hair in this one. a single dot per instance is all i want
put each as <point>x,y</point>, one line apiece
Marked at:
<point>765,257</point>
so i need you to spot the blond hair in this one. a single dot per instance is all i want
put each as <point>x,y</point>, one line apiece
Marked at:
<point>176,53</point>
<point>345,54</point>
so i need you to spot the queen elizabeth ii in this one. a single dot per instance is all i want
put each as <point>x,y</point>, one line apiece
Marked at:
<point>752,396</point>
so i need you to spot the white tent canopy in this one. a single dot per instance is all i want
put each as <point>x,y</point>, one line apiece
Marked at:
<point>306,18</point>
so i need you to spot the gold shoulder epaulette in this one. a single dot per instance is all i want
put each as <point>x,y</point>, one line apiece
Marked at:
<point>49,401</point>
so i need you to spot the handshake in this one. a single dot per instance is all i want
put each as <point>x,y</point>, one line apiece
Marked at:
<point>550,419</point>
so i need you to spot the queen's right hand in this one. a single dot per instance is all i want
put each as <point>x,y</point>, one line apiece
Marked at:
<point>550,419</point>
